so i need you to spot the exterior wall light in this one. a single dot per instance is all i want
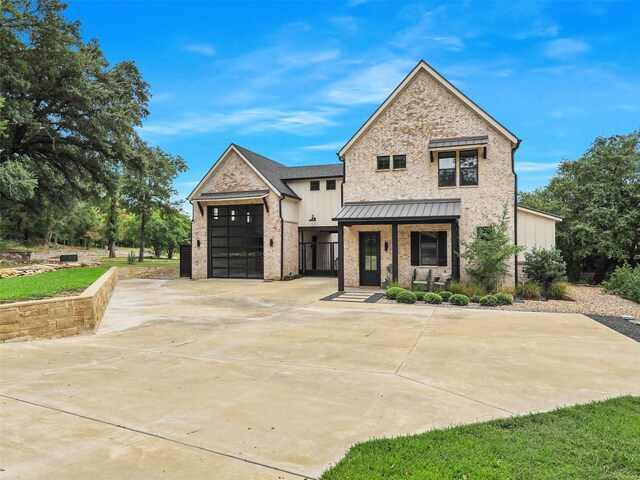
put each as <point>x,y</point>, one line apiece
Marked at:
<point>271,242</point>
<point>313,218</point>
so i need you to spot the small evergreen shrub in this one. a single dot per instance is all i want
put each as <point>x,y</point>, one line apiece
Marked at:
<point>445,295</point>
<point>420,294</point>
<point>432,298</point>
<point>489,301</point>
<point>459,299</point>
<point>625,281</point>
<point>557,290</point>
<point>545,266</point>
<point>530,290</point>
<point>504,298</point>
<point>393,292</point>
<point>406,297</point>
<point>475,298</point>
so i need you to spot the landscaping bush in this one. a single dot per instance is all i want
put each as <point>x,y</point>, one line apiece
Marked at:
<point>475,298</point>
<point>557,290</point>
<point>420,294</point>
<point>132,257</point>
<point>545,266</point>
<point>489,301</point>
<point>393,292</point>
<point>510,290</point>
<point>504,298</point>
<point>530,290</point>
<point>445,295</point>
<point>432,298</point>
<point>466,288</point>
<point>406,297</point>
<point>625,281</point>
<point>459,299</point>
<point>419,287</point>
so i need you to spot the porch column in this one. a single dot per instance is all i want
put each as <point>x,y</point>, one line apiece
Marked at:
<point>455,247</point>
<point>394,251</point>
<point>341,258</point>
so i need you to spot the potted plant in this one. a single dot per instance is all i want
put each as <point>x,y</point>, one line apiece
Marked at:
<point>389,277</point>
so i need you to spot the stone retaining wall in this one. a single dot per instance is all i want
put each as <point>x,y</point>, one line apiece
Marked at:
<point>125,273</point>
<point>58,317</point>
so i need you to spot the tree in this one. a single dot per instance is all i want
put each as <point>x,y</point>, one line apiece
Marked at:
<point>150,187</point>
<point>71,117</point>
<point>488,253</point>
<point>599,197</point>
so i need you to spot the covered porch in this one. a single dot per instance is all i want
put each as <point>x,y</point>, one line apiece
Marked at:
<point>387,241</point>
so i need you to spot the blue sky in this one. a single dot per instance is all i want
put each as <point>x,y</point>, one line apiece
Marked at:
<point>294,80</point>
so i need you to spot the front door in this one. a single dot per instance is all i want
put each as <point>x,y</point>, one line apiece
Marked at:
<point>370,259</point>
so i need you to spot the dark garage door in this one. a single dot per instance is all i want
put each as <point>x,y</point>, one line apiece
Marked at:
<point>236,242</point>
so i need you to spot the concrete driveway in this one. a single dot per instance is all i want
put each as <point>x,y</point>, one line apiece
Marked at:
<point>242,379</point>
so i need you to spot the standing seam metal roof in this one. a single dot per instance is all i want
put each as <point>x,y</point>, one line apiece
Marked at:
<point>399,210</point>
<point>459,141</point>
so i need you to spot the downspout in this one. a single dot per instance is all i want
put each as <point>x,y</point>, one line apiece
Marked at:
<point>515,205</point>
<point>281,238</point>
<point>193,215</point>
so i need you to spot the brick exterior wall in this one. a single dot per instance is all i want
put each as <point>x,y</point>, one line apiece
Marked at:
<point>234,175</point>
<point>290,253</point>
<point>426,110</point>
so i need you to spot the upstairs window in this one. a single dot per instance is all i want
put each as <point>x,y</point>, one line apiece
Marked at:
<point>469,167</point>
<point>315,185</point>
<point>384,163</point>
<point>399,161</point>
<point>331,185</point>
<point>447,169</point>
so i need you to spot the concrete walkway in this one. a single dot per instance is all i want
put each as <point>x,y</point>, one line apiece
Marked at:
<point>255,380</point>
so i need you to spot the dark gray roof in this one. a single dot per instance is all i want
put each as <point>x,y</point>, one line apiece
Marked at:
<point>313,171</point>
<point>458,141</point>
<point>399,210</point>
<point>225,195</point>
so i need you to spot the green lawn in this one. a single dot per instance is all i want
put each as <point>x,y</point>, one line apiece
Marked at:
<point>599,440</point>
<point>48,284</point>
<point>148,262</point>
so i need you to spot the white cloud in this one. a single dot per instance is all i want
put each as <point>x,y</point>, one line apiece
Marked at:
<point>257,120</point>
<point>326,146</point>
<point>524,166</point>
<point>201,49</point>
<point>450,42</point>
<point>566,112</point>
<point>565,47</point>
<point>370,85</point>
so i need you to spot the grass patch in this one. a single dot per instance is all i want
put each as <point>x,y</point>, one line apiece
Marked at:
<point>48,284</point>
<point>598,440</point>
<point>148,262</point>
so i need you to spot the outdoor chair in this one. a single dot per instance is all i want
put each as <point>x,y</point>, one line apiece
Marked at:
<point>421,276</point>
<point>441,280</point>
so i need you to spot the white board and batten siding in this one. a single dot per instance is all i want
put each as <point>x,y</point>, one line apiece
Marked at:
<point>536,229</point>
<point>322,204</point>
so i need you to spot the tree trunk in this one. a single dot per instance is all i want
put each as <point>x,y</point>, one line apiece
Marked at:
<point>601,272</point>
<point>111,225</point>
<point>170,253</point>
<point>157,249</point>
<point>143,226</point>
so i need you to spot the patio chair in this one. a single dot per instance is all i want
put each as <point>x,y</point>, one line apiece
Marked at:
<point>441,280</point>
<point>421,276</point>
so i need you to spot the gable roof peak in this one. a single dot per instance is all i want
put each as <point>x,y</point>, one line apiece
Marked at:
<point>424,66</point>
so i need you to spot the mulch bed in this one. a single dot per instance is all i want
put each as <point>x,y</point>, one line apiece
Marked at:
<point>620,325</point>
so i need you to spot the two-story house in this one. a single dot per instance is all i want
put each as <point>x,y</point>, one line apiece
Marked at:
<point>424,172</point>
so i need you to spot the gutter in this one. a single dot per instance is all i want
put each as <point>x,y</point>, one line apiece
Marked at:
<point>515,209</point>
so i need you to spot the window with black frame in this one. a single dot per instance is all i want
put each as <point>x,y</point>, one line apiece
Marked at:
<point>429,248</point>
<point>384,162</point>
<point>399,161</point>
<point>469,167</point>
<point>447,169</point>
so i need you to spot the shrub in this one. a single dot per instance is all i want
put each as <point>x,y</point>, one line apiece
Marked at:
<point>510,290</point>
<point>466,288</point>
<point>488,253</point>
<point>625,281</point>
<point>420,295</point>
<point>432,298</point>
<point>489,301</point>
<point>406,297</point>
<point>557,290</point>
<point>393,292</point>
<point>545,266</point>
<point>529,290</point>
<point>475,298</point>
<point>132,257</point>
<point>445,295</point>
<point>504,298</point>
<point>394,284</point>
<point>419,287</point>
<point>459,299</point>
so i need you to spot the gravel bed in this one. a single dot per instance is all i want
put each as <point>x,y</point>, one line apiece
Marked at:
<point>584,299</point>
<point>625,327</point>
